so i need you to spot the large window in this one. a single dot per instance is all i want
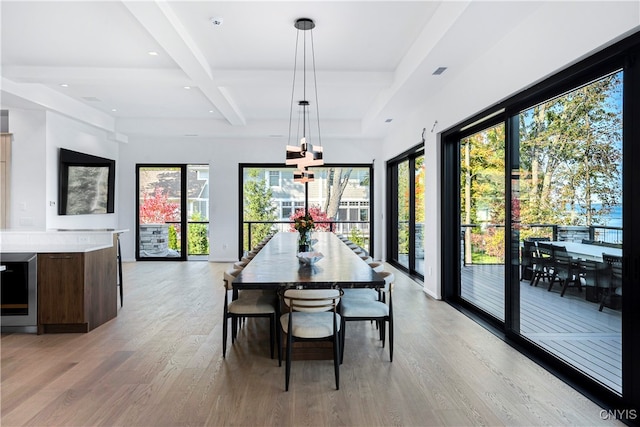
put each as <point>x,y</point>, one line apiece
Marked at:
<point>339,198</point>
<point>542,240</point>
<point>482,214</point>
<point>405,211</point>
<point>171,199</point>
<point>569,190</point>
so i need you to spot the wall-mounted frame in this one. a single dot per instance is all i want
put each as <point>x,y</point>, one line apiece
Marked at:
<point>86,184</point>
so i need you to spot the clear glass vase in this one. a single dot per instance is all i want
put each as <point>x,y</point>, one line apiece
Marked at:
<point>304,241</point>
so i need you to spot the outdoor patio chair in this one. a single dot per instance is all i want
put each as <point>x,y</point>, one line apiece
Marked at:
<point>565,270</point>
<point>542,263</point>
<point>613,287</point>
<point>593,276</point>
<point>529,252</point>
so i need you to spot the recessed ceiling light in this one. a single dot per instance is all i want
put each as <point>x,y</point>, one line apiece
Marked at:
<point>114,110</point>
<point>439,71</point>
<point>190,134</point>
<point>152,53</point>
<point>187,87</point>
<point>211,111</point>
<point>64,85</point>
<point>217,22</point>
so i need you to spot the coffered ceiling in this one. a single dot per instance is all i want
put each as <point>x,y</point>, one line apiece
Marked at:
<point>374,59</point>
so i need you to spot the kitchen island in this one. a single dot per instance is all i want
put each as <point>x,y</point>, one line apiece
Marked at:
<point>77,276</point>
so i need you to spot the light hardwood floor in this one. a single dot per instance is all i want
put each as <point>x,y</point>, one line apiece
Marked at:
<point>159,363</point>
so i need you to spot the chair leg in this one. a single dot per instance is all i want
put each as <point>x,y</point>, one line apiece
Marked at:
<point>564,287</point>
<point>278,340</point>
<point>383,334</point>
<point>604,298</point>
<point>224,335</point>
<point>272,327</point>
<point>336,355</point>
<point>234,329</point>
<point>534,274</point>
<point>342,326</point>
<point>288,365</point>
<point>391,339</point>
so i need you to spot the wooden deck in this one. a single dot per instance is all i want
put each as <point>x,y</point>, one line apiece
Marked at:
<point>569,327</point>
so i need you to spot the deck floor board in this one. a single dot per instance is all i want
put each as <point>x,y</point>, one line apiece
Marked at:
<point>569,327</point>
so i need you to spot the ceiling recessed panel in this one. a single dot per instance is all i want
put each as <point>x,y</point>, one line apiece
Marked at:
<point>76,34</point>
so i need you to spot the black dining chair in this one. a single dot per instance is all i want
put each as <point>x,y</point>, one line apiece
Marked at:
<point>542,263</point>
<point>593,275</point>
<point>612,288</point>
<point>527,256</point>
<point>565,270</point>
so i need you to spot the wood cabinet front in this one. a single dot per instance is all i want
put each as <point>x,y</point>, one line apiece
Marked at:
<point>76,291</point>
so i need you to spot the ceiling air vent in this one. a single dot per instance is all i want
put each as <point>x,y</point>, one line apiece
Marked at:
<point>439,71</point>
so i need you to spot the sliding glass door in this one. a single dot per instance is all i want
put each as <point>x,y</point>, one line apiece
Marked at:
<point>482,215</point>
<point>569,191</point>
<point>539,222</point>
<point>405,212</point>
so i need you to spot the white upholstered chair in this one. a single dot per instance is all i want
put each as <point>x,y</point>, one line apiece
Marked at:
<point>359,309</point>
<point>311,315</point>
<point>245,304</point>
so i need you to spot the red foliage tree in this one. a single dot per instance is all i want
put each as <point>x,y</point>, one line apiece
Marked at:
<point>320,218</point>
<point>157,209</point>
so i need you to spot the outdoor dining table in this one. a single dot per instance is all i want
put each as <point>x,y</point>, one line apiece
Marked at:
<point>587,251</point>
<point>277,266</point>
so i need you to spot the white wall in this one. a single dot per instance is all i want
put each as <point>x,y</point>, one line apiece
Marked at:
<point>223,157</point>
<point>28,170</point>
<point>73,135</point>
<point>527,54</point>
<point>37,137</point>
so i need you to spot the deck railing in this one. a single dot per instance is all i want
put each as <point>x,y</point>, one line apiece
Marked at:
<point>358,231</point>
<point>606,234</point>
<point>599,234</point>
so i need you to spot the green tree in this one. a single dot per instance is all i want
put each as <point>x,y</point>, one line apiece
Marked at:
<point>257,206</point>
<point>197,238</point>
<point>482,192</point>
<point>570,155</point>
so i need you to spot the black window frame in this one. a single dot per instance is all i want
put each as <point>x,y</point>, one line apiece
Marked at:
<point>623,55</point>
<point>243,166</point>
<point>392,208</point>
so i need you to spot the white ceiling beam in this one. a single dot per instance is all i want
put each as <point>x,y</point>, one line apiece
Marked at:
<point>325,78</point>
<point>108,75</point>
<point>50,99</point>
<point>444,18</point>
<point>211,128</point>
<point>93,75</point>
<point>165,27</point>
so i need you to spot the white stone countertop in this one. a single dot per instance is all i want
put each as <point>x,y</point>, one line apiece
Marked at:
<point>57,241</point>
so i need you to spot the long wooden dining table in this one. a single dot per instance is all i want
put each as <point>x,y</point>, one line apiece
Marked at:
<point>276,265</point>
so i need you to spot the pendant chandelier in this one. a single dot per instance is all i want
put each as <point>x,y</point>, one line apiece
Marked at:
<point>307,153</point>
